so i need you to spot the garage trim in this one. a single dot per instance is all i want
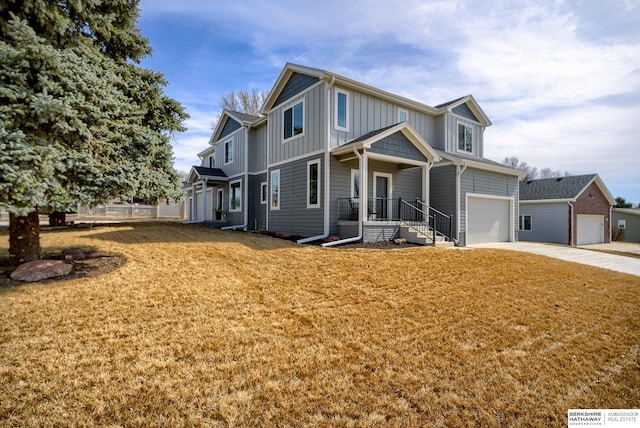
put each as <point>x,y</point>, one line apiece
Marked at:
<point>511,201</point>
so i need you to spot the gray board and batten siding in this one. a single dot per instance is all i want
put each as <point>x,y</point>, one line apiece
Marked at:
<point>258,149</point>
<point>367,113</point>
<point>293,216</point>
<point>314,135</point>
<point>237,165</point>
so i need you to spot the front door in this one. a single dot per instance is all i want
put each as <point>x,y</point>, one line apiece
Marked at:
<point>382,196</point>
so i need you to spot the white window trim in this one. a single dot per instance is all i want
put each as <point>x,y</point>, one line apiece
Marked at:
<point>264,191</point>
<point>389,197</point>
<point>230,152</point>
<point>318,190</point>
<point>271,207</point>
<point>522,223</point>
<point>405,111</point>
<point>231,183</point>
<point>346,113</point>
<point>353,173</point>
<point>473,137</point>
<point>304,125</point>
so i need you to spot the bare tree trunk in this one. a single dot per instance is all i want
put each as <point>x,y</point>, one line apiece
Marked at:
<point>24,237</point>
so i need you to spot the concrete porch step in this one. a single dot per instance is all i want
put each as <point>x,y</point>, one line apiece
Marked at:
<point>415,237</point>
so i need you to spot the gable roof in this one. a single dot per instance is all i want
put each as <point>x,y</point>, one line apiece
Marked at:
<point>335,79</point>
<point>561,188</point>
<point>480,163</point>
<point>202,172</point>
<point>241,119</point>
<point>367,140</point>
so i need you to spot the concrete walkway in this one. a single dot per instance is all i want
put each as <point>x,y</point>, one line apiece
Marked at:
<point>614,262</point>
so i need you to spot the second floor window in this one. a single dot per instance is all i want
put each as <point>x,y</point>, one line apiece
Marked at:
<point>228,152</point>
<point>465,138</point>
<point>342,108</point>
<point>294,121</point>
<point>402,115</point>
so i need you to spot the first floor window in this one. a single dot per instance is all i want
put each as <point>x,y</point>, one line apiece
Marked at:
<point>355,183</point>
<point>465,138</point>
<point>313,184</point>
<point>525,222</point>
<point>275,189</point>
<point>264,192</point>
<point>235,196</point>
<point>294,121</point>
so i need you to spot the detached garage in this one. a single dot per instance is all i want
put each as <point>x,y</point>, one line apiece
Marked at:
<point>565,210</point>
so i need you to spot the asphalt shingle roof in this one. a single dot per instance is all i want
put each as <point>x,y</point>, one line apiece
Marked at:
<point>245,117</point>
<point>554,188</point>
<point>210,172</point>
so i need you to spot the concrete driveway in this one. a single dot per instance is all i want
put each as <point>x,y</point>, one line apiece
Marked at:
<point>582,255</point>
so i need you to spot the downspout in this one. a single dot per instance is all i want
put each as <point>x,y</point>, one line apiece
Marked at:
<point>327,178</point>
<point>610,220</point>
<point>571,224</point>
<point>363,206</point>
<point>458,174</point>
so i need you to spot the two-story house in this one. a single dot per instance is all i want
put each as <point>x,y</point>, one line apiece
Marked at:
<point>332,156</point>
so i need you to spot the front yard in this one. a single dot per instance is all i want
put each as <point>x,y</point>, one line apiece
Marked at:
<point>208,328</point>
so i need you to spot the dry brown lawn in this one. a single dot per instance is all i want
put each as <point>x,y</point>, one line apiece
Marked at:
<point>208,328</point>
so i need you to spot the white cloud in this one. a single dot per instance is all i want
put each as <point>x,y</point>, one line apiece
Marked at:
<point>539,68</point>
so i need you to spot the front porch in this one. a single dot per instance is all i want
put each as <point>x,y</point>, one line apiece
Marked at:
<point>391,218</point>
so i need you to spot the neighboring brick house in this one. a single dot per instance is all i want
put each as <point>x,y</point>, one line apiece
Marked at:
<point>566,210</point>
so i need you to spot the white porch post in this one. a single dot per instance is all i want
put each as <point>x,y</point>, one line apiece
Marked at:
<point>364,194</point>
<point>194,197</point>
<point>425,184</point>
<point>204,200</point>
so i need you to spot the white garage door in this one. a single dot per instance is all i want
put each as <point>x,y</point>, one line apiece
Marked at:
<point>590,229</point>
<point>488,220</point>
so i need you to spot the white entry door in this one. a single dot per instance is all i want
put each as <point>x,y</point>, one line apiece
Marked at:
<point>590,229</point>
<point>488,220</point>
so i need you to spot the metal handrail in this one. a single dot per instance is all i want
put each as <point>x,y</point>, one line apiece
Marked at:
<point>436,223</point>
<point>417,220</point>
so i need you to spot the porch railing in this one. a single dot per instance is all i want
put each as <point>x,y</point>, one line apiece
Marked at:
<point>425,219</point>
<point>441,223</point>
<point>417,219</point>
<point>378,209</point>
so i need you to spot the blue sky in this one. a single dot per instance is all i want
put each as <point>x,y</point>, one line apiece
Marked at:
<point>560,80</point>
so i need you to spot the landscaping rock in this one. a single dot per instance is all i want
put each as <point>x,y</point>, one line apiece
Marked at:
<point>38,270</point>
